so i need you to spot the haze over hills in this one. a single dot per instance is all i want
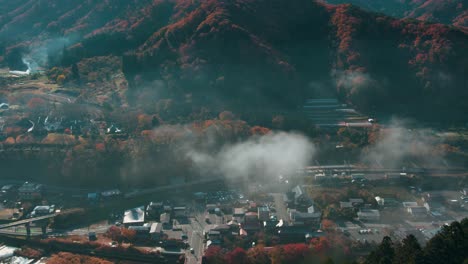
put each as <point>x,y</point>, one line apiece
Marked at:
<point>450,12</point>
<point>251,52</point>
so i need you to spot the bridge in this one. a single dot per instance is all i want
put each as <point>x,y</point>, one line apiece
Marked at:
<point>27,223</point>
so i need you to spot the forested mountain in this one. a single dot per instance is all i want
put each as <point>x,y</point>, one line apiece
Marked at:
<point>251,52</point>
<point>450,12</point>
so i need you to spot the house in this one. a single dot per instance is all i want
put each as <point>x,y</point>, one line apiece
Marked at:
<point>223,229</point>
<point>154,210</point>
<point>167,208</point>
<point>92,236</point>
<point>417,211</point>
<point>356,202</point>
<point>346,205</point>
<point>351,203</point>
<point>386,201</point>
<point>180,212</point>
<point>464,191</point>
<point>434,206</point>
<point>93,197</point>
<point>239,215</point>
<point>165,218</point>
<point>134,217</point>
<point>357,176</point>
<point>300,196</point>
<point>263,213</point>
<point>394,176</point>
<point>156,231</point>
<point>370,215</point>
<point>109,194</point>
<point>251,222</point>
<point>293,234</point>
<point>30,191</point>
<point>210,208</point>
<point>242,232</point>
<point>320,177</point>
<point>142,232</point>
<point>407,205</point>
<point>213,235</point>
<point>302,219</point>
<point>311,209</point>
<point>4,106</point>
<point>42,210</point>
<point>8,190</point>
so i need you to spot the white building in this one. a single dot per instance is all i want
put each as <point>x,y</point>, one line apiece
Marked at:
<point>134,217</point>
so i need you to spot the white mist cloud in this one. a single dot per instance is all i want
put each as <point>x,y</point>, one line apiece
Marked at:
<point>352,79</point>
<point>397,144</point>
<point>264,156</point>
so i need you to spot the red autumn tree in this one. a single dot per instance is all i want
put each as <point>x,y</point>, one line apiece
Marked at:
<point>238,255</point>
<point>295,253</point>
<point>214,255</point>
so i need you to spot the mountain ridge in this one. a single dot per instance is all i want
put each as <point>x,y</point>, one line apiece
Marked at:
<point>249,52</point>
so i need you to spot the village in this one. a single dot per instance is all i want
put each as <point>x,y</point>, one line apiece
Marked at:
<point>360,208</point>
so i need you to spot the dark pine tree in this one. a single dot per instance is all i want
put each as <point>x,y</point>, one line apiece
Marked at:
<point>408,251</point>
<point>383,254</point>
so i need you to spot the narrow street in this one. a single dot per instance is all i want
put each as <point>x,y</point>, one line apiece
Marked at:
<point>281,211</point>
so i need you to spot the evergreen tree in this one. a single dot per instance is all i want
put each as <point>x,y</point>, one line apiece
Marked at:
<point>448,246</point>
<point>409,251</point>
<point>383,254</point>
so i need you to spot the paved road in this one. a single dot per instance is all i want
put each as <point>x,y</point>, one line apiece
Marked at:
<point>280,206</point>
<point>197,224</point>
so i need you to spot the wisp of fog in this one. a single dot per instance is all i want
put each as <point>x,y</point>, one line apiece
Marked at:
<point>260,156</point>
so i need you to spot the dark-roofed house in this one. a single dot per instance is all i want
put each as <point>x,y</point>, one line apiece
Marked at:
<point>109,194</point>
<point>142,232</point>
<point>344,205</point>
<point>134,217</point>
<point>180,211</point>
<point>239,215</point>
<point>387,201</point>
<point>251,222</point>
<point>370,215</point>
<point>31,191</point>
<point>417,211</point>
<point>263,213</point>
<point>356,202</point>
<point>305,219</point>
<point>9,190</point>
<point>154,210</point>
<point>293,234</point>
<point>299,195</point>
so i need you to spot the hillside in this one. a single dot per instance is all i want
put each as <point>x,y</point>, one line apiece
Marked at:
<point>450,12</point>
<point>248,53</point>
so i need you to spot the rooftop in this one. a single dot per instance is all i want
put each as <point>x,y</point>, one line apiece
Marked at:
<point>239,211</point>
<point>113,192</point>
<point>410,204</point>
<point>156,228</point>
<point>135,215</point>
<point>369,212</point>
<point>8,187</point>
<point>30,187</point>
